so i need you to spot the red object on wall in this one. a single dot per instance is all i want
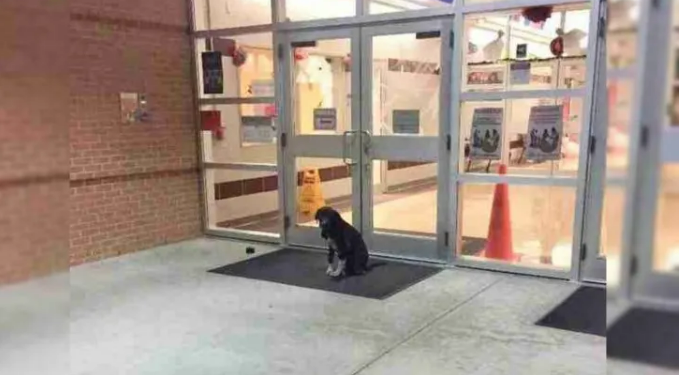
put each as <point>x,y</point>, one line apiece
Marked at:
<point>212,121</point>
<point>226,46</point>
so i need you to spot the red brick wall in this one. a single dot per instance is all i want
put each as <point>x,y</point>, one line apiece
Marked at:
<point>132,186</point>
<point>33,139</point>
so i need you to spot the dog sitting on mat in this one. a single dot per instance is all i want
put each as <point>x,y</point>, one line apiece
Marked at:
<point>345,241</point>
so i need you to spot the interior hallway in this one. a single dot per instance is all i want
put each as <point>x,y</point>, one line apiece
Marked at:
<point>541,218</point>
<point>160,312</point>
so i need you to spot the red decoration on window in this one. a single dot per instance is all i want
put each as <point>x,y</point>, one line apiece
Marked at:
<point>537,14</point>
<point>239,57</point>
<point>270,110</point>
<point>300,54</point>
<point>556,46</point>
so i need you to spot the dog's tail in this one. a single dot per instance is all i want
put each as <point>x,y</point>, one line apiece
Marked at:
<point>375,265</point>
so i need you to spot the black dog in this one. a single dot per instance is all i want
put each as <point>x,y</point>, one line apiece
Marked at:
<point>344,240</point>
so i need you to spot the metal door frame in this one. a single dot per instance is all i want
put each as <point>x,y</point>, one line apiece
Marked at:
<point>426,249</point>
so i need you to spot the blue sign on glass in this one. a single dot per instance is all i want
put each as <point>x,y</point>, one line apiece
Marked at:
<point>406,121</point>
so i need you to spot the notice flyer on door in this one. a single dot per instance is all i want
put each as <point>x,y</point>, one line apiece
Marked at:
<point>486,135</point>
<point>545,132</point>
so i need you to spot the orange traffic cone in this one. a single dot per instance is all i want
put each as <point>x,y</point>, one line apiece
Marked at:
<point>499,244</point>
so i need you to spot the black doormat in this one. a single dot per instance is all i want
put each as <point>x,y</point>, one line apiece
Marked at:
<point>583,311</point>
<point>307,269</point>
<point>646,336</point>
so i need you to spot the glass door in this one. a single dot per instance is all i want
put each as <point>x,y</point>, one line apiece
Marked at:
<point>321,134</point>
<point>652,272</point>
<point>595,230</point>
<point>363,134</point>
<point>405,123</point>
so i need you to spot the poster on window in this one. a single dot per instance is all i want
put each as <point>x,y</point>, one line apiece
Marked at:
<point>257,129</point>
<point>545,133</point>
<point>486,134</point>
<point>213,72</point>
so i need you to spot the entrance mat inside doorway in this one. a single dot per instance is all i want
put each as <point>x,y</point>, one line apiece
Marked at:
<point>646,336</point>
<point>307,269</point>
<point>583,311</point>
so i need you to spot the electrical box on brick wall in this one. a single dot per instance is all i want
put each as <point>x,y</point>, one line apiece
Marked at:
<point>133,107</point>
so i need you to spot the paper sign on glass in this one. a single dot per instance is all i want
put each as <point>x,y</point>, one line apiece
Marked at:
<point>545,133</point>
<point>486,136</point>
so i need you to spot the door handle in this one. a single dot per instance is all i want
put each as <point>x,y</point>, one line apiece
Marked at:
<point>344,148</point>
<point>367,145</point>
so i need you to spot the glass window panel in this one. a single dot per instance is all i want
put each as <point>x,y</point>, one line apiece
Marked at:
<point>404,197</point>
<point>666,239</point>
<point>303,10</point>
<point>320,182</point>
<point>515,137</point>
<point>242,200</point>
<point>322,81</point>
<point>541,223</point>
<point>222,14</point>
<point>506,51</point>
<point>392,6</point>
<point>248,72</point>
<point>405,85</point>
<point>244,133</point>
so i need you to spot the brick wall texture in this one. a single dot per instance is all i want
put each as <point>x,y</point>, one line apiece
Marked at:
<point>132,186</point>
<point>77,184</point>
<point>33,139</point>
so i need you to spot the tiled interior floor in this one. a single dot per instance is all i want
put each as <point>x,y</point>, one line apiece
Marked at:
<point>160,312</point>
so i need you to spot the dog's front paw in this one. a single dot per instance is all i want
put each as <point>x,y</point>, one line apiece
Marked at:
<point>329,270</point>
<point>335,273</point>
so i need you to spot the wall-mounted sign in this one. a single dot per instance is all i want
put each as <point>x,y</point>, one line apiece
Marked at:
<point>257,129</point>
<point>522,51</point>
<point>520,73</point>
<point>213,72</point>
<point>406,121</point>
<point>486,135</point>
<point>133,107</point>
<point>545,133</point>
<point>325,119</point>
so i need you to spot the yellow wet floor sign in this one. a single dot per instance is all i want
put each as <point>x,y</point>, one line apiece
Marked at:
<point>310,194</point>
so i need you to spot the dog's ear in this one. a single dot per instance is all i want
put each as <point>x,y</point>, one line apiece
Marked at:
<point>320,213</point>
<point>336,217</point>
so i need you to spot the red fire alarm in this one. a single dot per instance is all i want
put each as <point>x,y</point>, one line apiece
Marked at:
<point>212,121</point>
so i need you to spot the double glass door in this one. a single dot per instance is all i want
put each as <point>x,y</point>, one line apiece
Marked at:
<point>367,134</point>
